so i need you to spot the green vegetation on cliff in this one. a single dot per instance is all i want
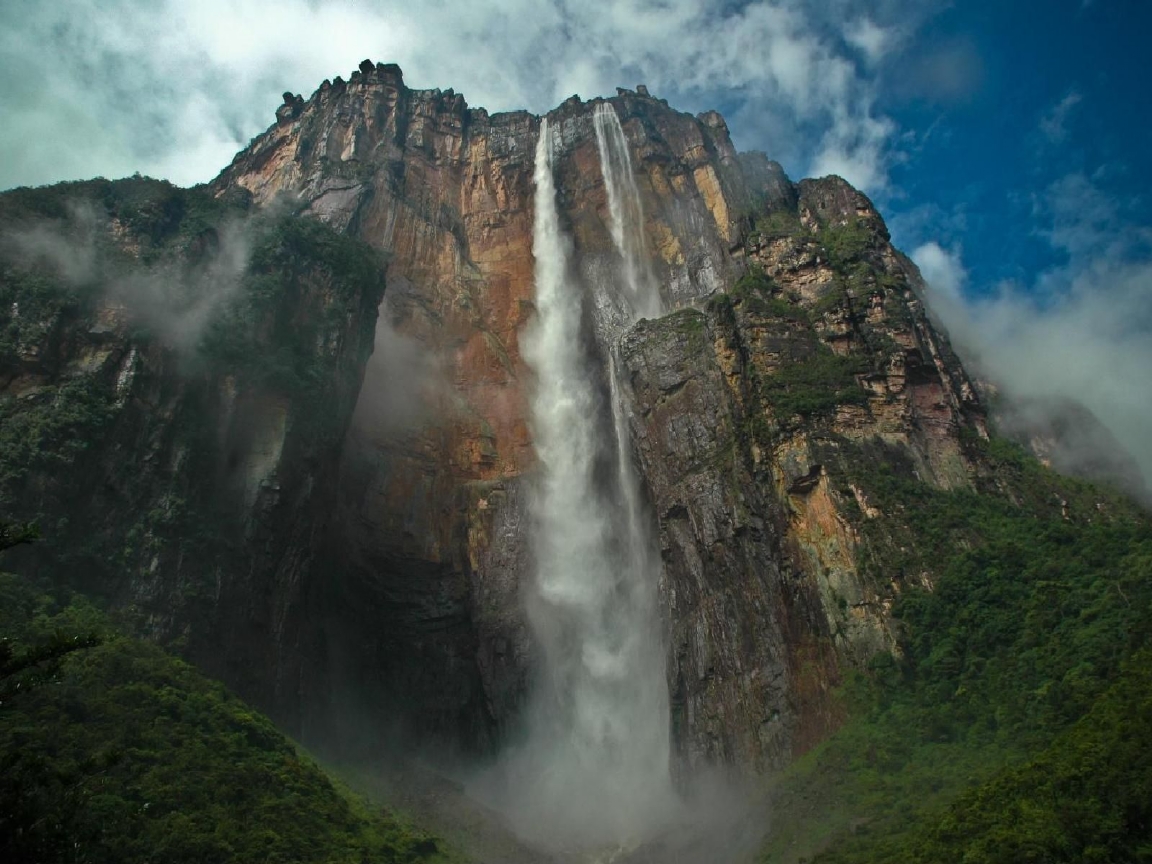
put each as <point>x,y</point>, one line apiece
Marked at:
<point>149,336</point>
<point>756,290</point>
<point>210,278</point>
<point>777,223</point>
<point>1020,686</point>
<point>815,385</point>
<point>268,333</point>
<point>814,381</point>
<point>48,433</point>
<point>164,326</point>
<point>846,243</point>
<point>112,750</point>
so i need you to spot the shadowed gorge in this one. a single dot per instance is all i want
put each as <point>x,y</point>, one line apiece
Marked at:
<point>585,486</point>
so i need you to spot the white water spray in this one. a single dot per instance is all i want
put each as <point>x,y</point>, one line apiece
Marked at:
<point>594,771</point>
<point>626,213</point>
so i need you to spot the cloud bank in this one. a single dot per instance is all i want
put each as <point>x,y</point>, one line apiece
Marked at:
<point>1080,331</point>
<point>174,89</point>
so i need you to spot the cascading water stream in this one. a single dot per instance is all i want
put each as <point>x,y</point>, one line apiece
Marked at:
<point>642,292</point>
<point>594,770</point>
<point>591,780</point>
<point>626,214</point>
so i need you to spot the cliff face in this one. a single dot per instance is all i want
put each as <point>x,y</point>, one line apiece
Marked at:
<point>381,563</point>
<point>751,416</point>
<point>763,597</point>
<point>177,378</point>
<point>431,523</point>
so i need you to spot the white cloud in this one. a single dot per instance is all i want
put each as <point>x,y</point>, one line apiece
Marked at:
<point>870,40</point>
<point>1054,124</point>
<point>1081,331</point>
<point>173,88</point>
<point>855,149</point>
<point>943,269</point>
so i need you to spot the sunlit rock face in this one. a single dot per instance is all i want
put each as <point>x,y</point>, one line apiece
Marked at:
<point>761,593</point>
<point>431,524</point>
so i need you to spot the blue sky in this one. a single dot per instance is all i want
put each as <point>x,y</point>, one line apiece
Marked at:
<point>1006,142</point>
<point>1054,88</point>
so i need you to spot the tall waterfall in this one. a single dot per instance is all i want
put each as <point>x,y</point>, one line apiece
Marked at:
<point>594,769</point>
<point>642,293</point>
<point>626,213</point>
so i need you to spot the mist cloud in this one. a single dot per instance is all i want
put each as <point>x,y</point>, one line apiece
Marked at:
<point>175,299</point>
<point>406,383</point>
<point>67,250</point>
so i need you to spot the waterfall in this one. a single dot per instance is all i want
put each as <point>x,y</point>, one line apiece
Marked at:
<point>626,214</point>
<point>594,769</point>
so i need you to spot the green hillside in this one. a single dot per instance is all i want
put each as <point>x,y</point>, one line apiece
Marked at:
<point>112,750</point>
<point>1014,722</point>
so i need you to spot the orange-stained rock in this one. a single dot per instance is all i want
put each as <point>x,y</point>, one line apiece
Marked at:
<point>762,593</point>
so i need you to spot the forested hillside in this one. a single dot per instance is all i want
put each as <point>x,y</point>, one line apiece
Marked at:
<point>1013,723</point>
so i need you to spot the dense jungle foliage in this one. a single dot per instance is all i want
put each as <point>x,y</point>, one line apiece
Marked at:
<point>112,750</point>
<point>1016,721</point>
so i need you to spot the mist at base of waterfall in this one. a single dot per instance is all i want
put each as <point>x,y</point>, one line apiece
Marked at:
<point>710,818</point>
